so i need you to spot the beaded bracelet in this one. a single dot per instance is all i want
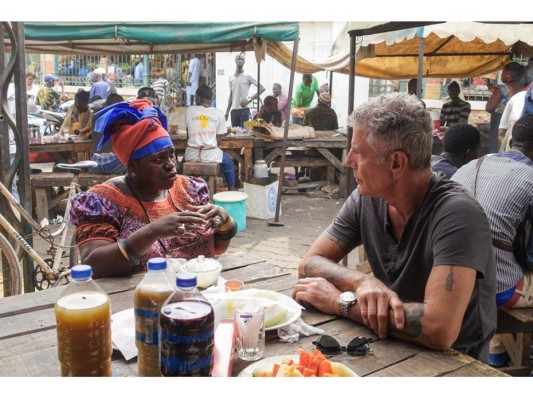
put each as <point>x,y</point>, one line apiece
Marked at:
<point>228,234</point>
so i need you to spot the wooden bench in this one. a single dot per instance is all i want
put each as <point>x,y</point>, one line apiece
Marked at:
<point>207,170</point>
<point>516,327</point>
<point>42,184</point>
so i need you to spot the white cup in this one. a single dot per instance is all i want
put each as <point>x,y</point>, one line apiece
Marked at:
<point>250,340</point>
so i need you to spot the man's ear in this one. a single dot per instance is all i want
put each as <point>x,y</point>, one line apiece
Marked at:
<point>399,163</point>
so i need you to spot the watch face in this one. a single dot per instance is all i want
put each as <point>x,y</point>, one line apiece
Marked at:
<point>347,297</point>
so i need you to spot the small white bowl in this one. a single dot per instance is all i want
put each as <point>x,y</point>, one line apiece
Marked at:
<point>207,270</point>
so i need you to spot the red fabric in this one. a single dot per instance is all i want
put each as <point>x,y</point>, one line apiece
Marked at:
<point>129,138</point>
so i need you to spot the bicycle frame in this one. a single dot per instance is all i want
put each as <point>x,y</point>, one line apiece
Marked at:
<point>50,272</point>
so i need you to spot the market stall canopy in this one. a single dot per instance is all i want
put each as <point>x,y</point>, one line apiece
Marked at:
<point>451,49</point>
<point>151,38</point>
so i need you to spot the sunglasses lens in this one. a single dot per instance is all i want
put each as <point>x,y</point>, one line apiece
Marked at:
<point>328,345</point>
<point>358,346</point>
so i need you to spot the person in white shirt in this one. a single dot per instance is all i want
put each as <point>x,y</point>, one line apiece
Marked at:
<point>513,110</point>
<point>205,127</point>
<point>195,68</point>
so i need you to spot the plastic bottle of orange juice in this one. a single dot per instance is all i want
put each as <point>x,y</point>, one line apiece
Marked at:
<point>83,318</point>
<point>148,298</point>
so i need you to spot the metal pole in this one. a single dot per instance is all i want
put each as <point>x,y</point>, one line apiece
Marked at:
<point>146,70</point>
<point>351,94</point>
<point>420,67</point>
<point>258,83</point>
<point>285,134</point>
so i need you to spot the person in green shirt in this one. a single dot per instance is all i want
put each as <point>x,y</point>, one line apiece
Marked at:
<point>305,91</point>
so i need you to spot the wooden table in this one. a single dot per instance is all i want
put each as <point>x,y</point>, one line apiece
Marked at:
<point>81,150</point>
<point>323,145</point>
<point>28,336</point>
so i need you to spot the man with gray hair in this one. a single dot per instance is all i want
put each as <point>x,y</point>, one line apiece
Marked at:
<point>428,241</point>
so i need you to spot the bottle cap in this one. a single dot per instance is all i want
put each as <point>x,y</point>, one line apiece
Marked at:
<point>157,264</point>
<point>80,272</point>
<point>185,280</point>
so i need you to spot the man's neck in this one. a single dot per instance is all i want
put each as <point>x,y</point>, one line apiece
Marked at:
<point>409,194</point>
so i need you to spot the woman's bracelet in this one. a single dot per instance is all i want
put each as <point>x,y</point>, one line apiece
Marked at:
<point>227,234</point>
<point>130,255</point>
<point>226,226</point>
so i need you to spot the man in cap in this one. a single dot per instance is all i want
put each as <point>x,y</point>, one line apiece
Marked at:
<point>322,117</point>
<point>47,97</point>
<point>456,110</point>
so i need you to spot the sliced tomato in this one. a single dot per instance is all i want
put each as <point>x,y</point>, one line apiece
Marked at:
<point>309,372</point>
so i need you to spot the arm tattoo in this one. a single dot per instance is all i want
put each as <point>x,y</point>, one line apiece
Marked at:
<point>414,312</point>
<point>343,245</point>
<point>449,280</point>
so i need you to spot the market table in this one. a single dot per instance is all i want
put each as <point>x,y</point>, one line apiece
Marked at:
<point>328,149</point>
<point>239,148</point>
<point>28,345</point>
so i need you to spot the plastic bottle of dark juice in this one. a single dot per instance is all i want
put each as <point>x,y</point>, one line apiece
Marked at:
<point>186,331</point>
<point>83,318</point>
<point>148,298</point>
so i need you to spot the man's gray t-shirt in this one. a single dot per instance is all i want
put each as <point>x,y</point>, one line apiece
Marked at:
<point>449,228</point>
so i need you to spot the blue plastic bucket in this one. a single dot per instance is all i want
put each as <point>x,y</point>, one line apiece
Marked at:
<point>235,204</point>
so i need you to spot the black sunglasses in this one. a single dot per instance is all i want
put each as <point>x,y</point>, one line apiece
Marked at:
<point>359,346</point>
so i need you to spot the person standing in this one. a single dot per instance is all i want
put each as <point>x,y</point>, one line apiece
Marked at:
<point>305,91</point>
<point>139,72</point>
<point>454,111</point>
<point>99,87</point>
<point>282,101</point>
<point>193,79</point>
<point>239,100</point>
<point>205,127</point>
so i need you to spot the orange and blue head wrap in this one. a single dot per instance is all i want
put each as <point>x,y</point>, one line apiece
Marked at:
<point>137,128</point>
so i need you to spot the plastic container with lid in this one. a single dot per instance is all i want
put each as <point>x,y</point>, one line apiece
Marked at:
<point>207,270</point>
<point>148,297</point>
<point>83,318</point>
<point>186,331</point>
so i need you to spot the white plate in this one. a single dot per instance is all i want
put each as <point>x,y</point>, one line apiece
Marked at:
<point>247,372</point>
<point>294,310</point>
<point>344,371</point>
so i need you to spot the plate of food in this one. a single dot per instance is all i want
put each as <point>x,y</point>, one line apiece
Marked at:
<point>280,310</point>
<point>305,364</point>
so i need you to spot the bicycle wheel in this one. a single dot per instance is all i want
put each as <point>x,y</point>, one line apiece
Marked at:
<point>11,280</point>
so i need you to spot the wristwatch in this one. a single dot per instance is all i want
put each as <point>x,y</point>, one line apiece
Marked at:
<point>346,300</point>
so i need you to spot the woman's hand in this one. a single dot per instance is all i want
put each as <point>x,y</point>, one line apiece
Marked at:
<point>214,216</point>
<point>184,223</point>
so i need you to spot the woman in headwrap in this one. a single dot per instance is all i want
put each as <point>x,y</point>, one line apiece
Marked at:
<point>151,211</point>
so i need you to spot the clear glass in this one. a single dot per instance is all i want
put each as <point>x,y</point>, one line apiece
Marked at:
<point>250,340</point>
